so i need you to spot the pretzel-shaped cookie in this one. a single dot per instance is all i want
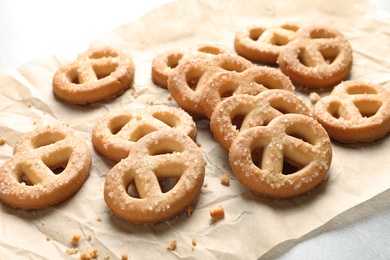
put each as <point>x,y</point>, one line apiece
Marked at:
<point>258,156</point>
<point>190,79</point>
<point>238,113</point>
<point>264,44</point>
<point>98,74</point>
<point>355,111</point>
<point>320,56</point>
<point>30,179</point>
<point>114,134</point>
<point>165,62</point>
<point>251,81</point>
<point>158,156</point>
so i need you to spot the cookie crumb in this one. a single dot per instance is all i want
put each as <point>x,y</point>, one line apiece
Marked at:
<point>75,239</point>
<point>89,237</point>
<point>88,255</point>
<point>190,210</point>
<point>225,179</point>
<point>48,238</point>
<point>133,93</point>
<point>172,245</point>
<point>72,251</point>
<point>193,243</point>
<point>217,213</point>
<point>124,257</point>
<point>205,185</point>
<point>3,140</point>
<point>314,97</point>
<point>99,219</point>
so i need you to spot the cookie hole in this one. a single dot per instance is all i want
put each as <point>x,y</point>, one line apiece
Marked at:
<point>237,121</point>
<point>75,80</point>
<point>45,139</point>
<point>322,34</point>
<point>210,50</point>
<point>167,184</point>
<point>279,40</point>
<point>361,89</point>
<point>334,109</point>
<point>103,71</point>
<point>280,105</point>
<point>227,89</point>
<point>174,59</point>
<point>231,65</point>
<point>290,27</point>
<point>257,156</point>
<point>290,167</point>
<point>368,108</point>
<point>59,168</point>
<point>268,82</point>
<point>255,33</point>
<point>132,191</point>
<point>23,179</point>
<point>167,118</point>
<point>117,123</point>
<point>73,76</point>
<point>302,59</point>
<point>192,78</point>
<point>329,54</point>
<point>227,93</point>
<point>58,160</point>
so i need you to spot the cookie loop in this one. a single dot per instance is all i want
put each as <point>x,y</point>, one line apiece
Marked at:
<point>49,165</point>
<point>114,134</point>
<point>258,156</point>
<point>98,74</point>
<point>319,57</point>
<point>251,81</point>
<point>191,78</point>
<point>165,62</point>
<point>155,158</point>
<point>264,44</point>
<point>241,112</point>
<point>355,111</point>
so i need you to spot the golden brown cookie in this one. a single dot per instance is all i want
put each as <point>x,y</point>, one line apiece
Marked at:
<point>259,156</point>
<point>355,111</point>
<point>241,112</point>
<point>98,74</point>
<point>154,159</point>
<point>263,44</point>
<point>165,62</point>
<point>320,56</point>
<point>114,134</point>
<point>251,81</point>
<point>191,78</point>
<point>49,165</point>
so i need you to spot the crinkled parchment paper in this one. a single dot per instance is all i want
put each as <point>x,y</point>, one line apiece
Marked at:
<point>252,224</point>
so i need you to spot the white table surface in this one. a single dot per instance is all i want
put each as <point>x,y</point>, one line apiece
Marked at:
<point>30,30</point>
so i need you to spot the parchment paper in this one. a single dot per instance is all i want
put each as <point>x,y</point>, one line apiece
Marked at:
<point>252,224</point>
